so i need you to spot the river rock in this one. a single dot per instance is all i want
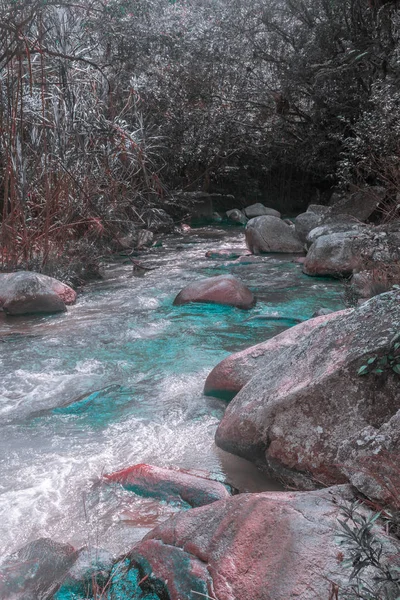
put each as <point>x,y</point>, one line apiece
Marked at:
<point>36,571</point>
<point>223,289</point>
<point>306,222</point>
<point>258,209</point>
<point>295,414</point>
<point>171,485</point>
<point>336,254</point>
<point>264,546</point>
<point>25,292</point>
<point>360,204</point>
<point>332,226</point>
<point>230,375</point>
<point>370,460</point>
<point>237,216</point>
<point>231,254</point>
<point>270,234</point>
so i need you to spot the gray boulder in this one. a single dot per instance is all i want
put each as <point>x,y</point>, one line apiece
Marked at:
<point>360,204</point>
<point>306,222</point>
<point>296,415</point>
<point>25,292</point>
<point>236,216</point>
<point>331,225</point>
<point>270,234</point>
<point>337,254</point>
<point>258,209</point>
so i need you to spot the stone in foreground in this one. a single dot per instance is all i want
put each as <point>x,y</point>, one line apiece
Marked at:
<point>270,234</point>
<point>309,400</point>
<point>268,546</point>
<point>171,485</point>
<point>223,289</point>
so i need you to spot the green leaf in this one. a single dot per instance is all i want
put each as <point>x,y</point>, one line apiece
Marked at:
<point>363,370</point>
<point>371,360</point>
<point>396,369</point>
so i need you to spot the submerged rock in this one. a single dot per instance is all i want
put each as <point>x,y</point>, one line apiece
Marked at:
<point>270,234</point>
<point>172,485</point>
<point>25,292</point>
<point>309,400</point>
<point>223,289</point>
<point>36,571</point>
<point>232,254</point>
<point>232,373</point>
<point>265,546</point>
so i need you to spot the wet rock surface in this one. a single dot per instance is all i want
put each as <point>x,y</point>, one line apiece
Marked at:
<point>170,485</point>
<point>36,571</point>
<point>25,292</point>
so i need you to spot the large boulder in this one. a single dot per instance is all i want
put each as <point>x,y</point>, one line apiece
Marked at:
<point>223,289</point>
<point>341,254</point>
<point>270,234</point>
<point>25,292</point>
<point>232,373</point>
<point>336,254</point>
<point>258,209</point>
<point>306,222</point>
<point>360,204</point>
<point>266,546</point>
<point>36,571</point>
<point>331,226</point>
<point>170,485</point>
<point>295,414</point>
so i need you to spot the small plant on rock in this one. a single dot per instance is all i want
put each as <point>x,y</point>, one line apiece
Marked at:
<point>386,363</point>
<point>366,556</point>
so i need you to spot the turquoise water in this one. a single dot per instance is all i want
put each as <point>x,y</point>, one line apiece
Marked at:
<point>118,380</point>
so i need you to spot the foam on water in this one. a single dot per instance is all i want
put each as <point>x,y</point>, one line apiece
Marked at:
<point>118,380</point>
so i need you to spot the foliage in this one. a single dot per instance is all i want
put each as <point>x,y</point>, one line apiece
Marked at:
<point>383,364</point>
<point>108,105</point>
<point>366,556</point>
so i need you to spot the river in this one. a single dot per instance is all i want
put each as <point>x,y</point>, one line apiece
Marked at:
<point>118,380</point>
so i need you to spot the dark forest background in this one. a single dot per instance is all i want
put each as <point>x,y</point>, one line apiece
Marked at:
<point>109,107</point>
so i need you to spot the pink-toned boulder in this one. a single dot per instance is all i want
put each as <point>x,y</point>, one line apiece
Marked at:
<point>172,485</point>
<point>223,289</point>
<point>268,546</point>
<point>232,373</point>
<point>26,292</point>
<point>309,400</point>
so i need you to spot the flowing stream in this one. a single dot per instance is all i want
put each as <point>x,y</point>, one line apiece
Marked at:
<point>118,379</point>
